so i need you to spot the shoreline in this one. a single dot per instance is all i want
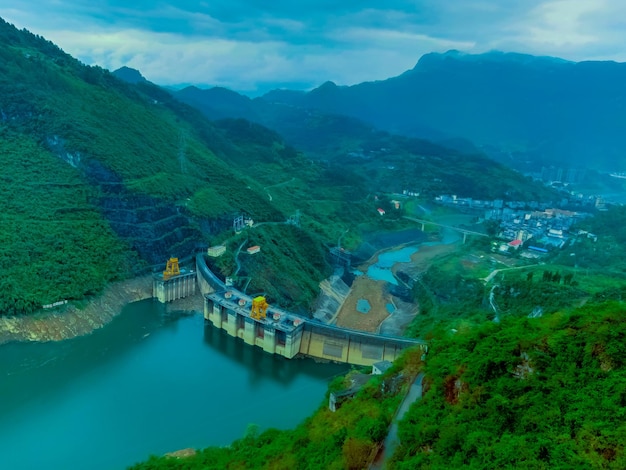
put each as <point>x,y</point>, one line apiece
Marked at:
<point>70,321</point>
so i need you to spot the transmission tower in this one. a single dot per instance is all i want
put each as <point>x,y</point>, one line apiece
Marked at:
<point>238,223</point>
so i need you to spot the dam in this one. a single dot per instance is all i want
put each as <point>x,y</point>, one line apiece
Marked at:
<point>287,334</point>
<point>174,283</point>
<point>177,287</point>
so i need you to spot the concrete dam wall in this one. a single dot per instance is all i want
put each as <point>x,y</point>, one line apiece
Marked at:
<point>178,287</point>
<point>287,334</point>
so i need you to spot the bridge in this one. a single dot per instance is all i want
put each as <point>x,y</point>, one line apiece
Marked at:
<point>465,232</point>
<point>288,334</point>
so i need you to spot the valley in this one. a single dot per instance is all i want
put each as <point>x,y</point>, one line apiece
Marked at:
<point>464,218</point>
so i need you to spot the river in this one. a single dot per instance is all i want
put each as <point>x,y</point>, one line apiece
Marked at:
<point>147,383</point>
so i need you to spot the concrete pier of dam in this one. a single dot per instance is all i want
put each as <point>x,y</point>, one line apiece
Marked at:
<point>174,288</point>
<point>288,334</point>
<point>278,333</point>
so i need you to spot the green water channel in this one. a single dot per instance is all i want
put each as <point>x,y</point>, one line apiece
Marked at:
<point>147,383</point>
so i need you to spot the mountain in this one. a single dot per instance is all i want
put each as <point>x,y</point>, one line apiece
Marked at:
<point>129,75</point>
<point>387,162</point>
<point>219,103</point>
<point>104,179</point>
<point>548,109</point>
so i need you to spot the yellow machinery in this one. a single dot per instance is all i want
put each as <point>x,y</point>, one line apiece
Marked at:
<point>259,308</point>
<point>172,269</point>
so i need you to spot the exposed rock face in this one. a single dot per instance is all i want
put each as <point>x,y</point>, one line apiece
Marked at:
<point>153,228</point>
<point>179,454</point>
<point>333,292</point>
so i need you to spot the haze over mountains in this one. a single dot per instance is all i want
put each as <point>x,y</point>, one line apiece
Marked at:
<point>543,109</point>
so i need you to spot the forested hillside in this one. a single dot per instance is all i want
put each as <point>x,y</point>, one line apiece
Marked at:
<point>105,179</point>
<point>526,393</point>
<point>54,243</point>
<point>388,162</point>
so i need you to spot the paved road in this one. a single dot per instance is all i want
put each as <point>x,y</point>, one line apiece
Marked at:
<point>497,271</point>
<point>392,441</point>
<point>237,256</point>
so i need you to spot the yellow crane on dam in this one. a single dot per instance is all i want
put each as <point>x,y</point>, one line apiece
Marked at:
<point>259,308</point>
<point>171,269</point>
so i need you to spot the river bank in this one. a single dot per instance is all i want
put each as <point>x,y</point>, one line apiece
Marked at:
<point>69,321</point>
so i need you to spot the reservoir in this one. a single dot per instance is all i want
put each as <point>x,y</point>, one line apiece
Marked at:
<point>150,382</point>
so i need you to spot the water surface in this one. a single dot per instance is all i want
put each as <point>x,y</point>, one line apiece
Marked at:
<point>148,383</point>
<point>381,270</point>
<point>363,306</point>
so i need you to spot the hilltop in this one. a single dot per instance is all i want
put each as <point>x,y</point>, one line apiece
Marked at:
<point>386,162</point>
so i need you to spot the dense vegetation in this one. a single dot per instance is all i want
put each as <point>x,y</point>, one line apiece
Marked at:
<point>161,177</point>
<point>102,158</point>
<point>58,247</point>
<point>387,162</point>
<point>525,393</point>
<point>290,258</point>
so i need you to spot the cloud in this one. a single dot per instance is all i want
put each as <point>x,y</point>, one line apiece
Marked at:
<point>573,29</point>
<point>250,44</point>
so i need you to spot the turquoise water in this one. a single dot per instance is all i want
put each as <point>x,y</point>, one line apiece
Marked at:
<point>390,308</point>
<point>363,306</point>
<point>389,258</point>
<point>148,383</point>
<point>381,270</point>
<point>381,274</point>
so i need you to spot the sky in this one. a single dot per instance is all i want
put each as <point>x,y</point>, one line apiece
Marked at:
<point>253,46</point>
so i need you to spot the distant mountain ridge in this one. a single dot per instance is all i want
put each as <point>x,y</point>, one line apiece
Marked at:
<point>552,109</point>
<point>107,177</point>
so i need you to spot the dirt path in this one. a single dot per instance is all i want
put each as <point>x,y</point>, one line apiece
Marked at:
<point>392,440</point>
